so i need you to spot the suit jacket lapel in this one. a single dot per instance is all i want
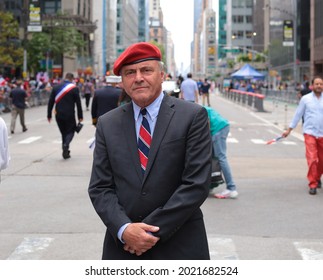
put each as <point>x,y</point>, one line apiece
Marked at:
<point>165,115</point>
<point>128,124</point>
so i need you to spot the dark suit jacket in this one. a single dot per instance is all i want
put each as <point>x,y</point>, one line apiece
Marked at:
<point>65,108</point>
<point>104,100</point>
<point>173,188</point>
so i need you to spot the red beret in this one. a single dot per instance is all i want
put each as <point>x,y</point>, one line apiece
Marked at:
<point>136,53</point>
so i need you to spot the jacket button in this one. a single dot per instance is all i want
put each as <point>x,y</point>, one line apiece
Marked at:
<point>143,193</point>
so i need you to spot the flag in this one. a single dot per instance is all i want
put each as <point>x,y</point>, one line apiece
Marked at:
<point>2,82</point>
<point>274,140</point>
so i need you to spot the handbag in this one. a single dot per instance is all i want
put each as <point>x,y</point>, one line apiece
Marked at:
<point>78,127</point>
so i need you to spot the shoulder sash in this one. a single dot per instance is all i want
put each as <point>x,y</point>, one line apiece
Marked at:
<point>63,92</point>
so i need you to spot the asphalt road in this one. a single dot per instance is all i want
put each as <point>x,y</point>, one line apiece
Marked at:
<point>46,213</point>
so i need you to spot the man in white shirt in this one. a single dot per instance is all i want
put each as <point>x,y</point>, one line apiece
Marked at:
<point>189,89</point>
<point>311,108</point>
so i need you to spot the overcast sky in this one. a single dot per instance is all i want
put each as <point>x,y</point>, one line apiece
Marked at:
<point>178,19</point>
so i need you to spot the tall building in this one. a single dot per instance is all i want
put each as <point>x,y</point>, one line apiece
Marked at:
<point>117,28</point>
<point>204,45</point>
<point>240,23</point>
<point>260,39</point>
<point>127,24</point>
<point>105,14</point>
<point>290,60</point>
<point>158,33</point>
<point>143,20</point>
<point>154,9</point>
<point>209,51</point>
<point>222,32</point>
<point>316,37</point>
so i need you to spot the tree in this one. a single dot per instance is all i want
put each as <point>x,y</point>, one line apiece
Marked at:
<point>11,52</point>
<point>57,39</point>
<point>162,50</point>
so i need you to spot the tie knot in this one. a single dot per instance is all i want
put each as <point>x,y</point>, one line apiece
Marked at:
<point>143,111</point>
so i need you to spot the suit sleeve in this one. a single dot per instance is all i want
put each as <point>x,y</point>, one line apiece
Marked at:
<point>185,202</point>
<point>51,103</point>
<point>78,104</point>
<point>102,188</point>
<point>94,109</point>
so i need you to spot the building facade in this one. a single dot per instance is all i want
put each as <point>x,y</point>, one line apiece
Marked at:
<point>316,38</point>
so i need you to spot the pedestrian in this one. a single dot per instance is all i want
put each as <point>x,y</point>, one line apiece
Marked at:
<point>311,107</point>
<point>4,148</point>
<point>18,98</point>
<point>306,89</point>
<point>189,89</point>
<point>106,98</point>
<point>65,97</point>
<point>205,91</point>
<point>88,89</point>
<point>124,98</point>
<point>220,129</point>
<point>150,204</point>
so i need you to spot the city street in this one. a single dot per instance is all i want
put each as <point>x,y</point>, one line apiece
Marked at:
<point>47,214</point>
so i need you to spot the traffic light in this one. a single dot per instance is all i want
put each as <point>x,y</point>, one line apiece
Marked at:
<point>250,56</point>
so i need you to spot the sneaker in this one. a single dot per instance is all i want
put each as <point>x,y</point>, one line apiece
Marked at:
<point>227,194</point>
<point>319,184</point>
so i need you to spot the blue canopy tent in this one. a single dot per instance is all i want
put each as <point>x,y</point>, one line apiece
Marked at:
<point>247,72</point>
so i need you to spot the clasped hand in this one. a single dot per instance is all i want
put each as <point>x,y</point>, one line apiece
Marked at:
<point>138,238</point>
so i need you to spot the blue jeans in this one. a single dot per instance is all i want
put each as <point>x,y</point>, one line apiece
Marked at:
<point>219,141</point>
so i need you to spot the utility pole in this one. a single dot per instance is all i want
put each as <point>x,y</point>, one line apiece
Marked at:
<point>25,24</point>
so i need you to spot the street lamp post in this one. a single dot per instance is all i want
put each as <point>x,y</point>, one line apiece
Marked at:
<point>25,23</point>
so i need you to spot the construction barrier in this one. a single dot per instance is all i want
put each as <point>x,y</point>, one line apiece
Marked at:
<point>245,98</point>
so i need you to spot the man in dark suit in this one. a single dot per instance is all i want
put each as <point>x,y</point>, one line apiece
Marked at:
<point>105,99</point>
<point>151,206</point>
<point>65,96</point>
<point>18,98</point>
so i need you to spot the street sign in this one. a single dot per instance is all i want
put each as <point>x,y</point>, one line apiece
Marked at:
<point>34,28</point>
<point>231,50</point>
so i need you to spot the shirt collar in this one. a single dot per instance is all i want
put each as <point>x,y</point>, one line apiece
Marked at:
<point>152,109</point>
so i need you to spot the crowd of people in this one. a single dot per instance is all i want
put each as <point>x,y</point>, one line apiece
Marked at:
<point>152,147</point>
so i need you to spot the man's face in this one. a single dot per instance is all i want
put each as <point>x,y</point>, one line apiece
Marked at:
<point>143,81</point>
<point>318,85</point>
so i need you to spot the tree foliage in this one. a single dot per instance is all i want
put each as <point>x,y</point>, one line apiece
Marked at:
<point>11,52</point>
<point>162,50</point>
<point>57,38</point>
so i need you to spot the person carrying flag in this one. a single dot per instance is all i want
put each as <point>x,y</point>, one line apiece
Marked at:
<point>311,109</point>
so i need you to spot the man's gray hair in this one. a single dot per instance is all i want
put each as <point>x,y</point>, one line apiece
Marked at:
<point>161,65</point>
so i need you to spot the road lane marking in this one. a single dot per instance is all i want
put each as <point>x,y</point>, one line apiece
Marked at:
<point>289,143</point>
<point>31,248</point>
<point>30,140</point>
<point>222,249</point>
<point>232,140</point>
<point>310,250</point>
<point>258,141</point>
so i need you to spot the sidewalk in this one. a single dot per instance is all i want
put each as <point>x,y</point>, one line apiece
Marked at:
<point>277,113</point>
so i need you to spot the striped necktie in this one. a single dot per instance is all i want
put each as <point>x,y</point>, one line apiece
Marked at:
<point>144,140</point>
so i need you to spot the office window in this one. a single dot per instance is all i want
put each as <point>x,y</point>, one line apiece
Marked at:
<point>248,19</point>
<point>249,34</point>
<point>237,34</point>
<point>237,19</point>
